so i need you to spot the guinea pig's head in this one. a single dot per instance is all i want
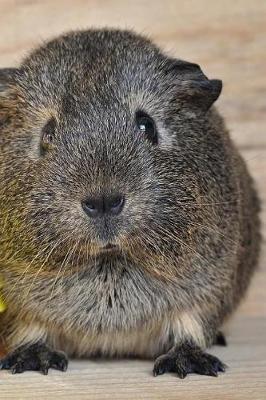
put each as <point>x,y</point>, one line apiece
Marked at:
<point>99,130</point>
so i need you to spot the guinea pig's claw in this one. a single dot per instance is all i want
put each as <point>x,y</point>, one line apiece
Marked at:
<point>35,357</point>
<point>188,358</point>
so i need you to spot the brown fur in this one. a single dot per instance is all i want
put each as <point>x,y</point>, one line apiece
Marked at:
<point>188,236</point>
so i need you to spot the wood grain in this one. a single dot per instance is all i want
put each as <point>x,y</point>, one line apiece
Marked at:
<point>228,40</point>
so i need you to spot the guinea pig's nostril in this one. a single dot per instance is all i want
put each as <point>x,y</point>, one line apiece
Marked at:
<point>93,207</point>
<point>114,204</point>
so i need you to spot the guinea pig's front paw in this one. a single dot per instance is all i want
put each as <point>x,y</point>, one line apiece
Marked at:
<point>188,358</point>
<point>34,357</point>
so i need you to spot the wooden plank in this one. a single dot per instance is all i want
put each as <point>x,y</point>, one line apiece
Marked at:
<point>245,378</point>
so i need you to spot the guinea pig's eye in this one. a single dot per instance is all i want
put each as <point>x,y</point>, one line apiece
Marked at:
<point>147,126</point>
<point>48,133</point>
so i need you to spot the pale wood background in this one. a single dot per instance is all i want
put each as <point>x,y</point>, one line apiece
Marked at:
<point>228,39</point>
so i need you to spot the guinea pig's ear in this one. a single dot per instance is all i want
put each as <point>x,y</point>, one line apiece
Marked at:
<point>192,85</point>
<point>7,76</point>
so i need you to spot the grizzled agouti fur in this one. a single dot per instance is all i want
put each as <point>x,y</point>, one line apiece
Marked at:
<point>129,222</point>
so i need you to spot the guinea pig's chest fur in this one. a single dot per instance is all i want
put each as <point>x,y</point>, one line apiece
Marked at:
<point>112,308</point>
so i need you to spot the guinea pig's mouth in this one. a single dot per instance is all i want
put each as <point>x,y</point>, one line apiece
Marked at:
<point>108,248</point>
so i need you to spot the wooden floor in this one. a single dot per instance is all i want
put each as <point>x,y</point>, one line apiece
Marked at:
<point>228,38</point>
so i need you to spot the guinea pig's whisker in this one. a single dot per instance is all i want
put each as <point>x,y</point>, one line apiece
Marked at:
<point>207,204</point>
<point>39,270</point>
<point>61,268</point>
<point>170,236</point>
<point>24,272</point>
<point>17,252</point>
<point>216,230</point>
<point>77,262</point>
<point>154,266</point>
<point>23,276</point>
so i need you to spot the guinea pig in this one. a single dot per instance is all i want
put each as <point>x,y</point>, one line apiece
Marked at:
<point>129,221</point>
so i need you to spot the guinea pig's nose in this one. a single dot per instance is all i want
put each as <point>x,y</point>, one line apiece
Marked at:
<point>97,206</point>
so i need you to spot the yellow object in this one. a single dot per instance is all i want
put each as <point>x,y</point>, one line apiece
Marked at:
<point>2,305</point>
<point>2,301</point>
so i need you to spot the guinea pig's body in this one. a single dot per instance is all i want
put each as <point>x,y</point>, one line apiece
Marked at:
<point>129,221</point>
